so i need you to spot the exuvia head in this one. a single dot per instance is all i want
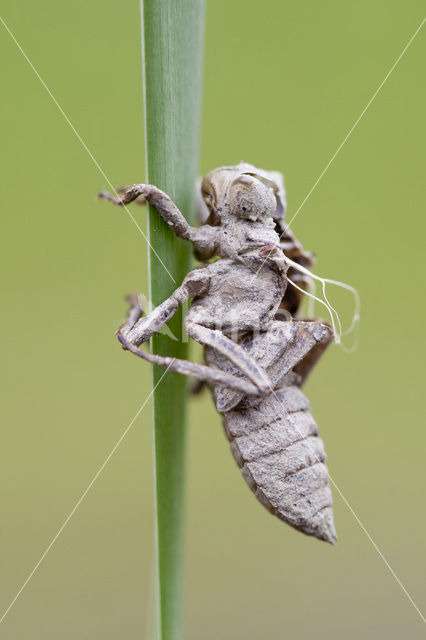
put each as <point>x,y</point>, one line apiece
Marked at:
<point>242,191</point>
<point>251,199</point>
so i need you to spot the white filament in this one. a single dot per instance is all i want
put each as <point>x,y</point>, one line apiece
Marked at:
<point>331,310</point>
<point>311,301</point>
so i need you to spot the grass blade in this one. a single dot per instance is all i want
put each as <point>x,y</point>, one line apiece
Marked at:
<point>172,65</point>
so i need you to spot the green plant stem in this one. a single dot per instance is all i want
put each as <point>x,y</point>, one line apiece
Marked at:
<point>172,65</point>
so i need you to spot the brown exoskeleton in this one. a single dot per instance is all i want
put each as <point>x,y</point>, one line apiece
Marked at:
<point>257,355</point>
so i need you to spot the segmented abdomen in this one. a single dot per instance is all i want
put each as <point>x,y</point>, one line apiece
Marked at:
<point>282,459</point>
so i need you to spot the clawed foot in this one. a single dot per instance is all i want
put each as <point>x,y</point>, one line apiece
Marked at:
<point>137,308</point>
<point>130,194</point>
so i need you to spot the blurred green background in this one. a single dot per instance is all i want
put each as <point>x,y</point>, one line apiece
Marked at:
<point>284,83</point>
